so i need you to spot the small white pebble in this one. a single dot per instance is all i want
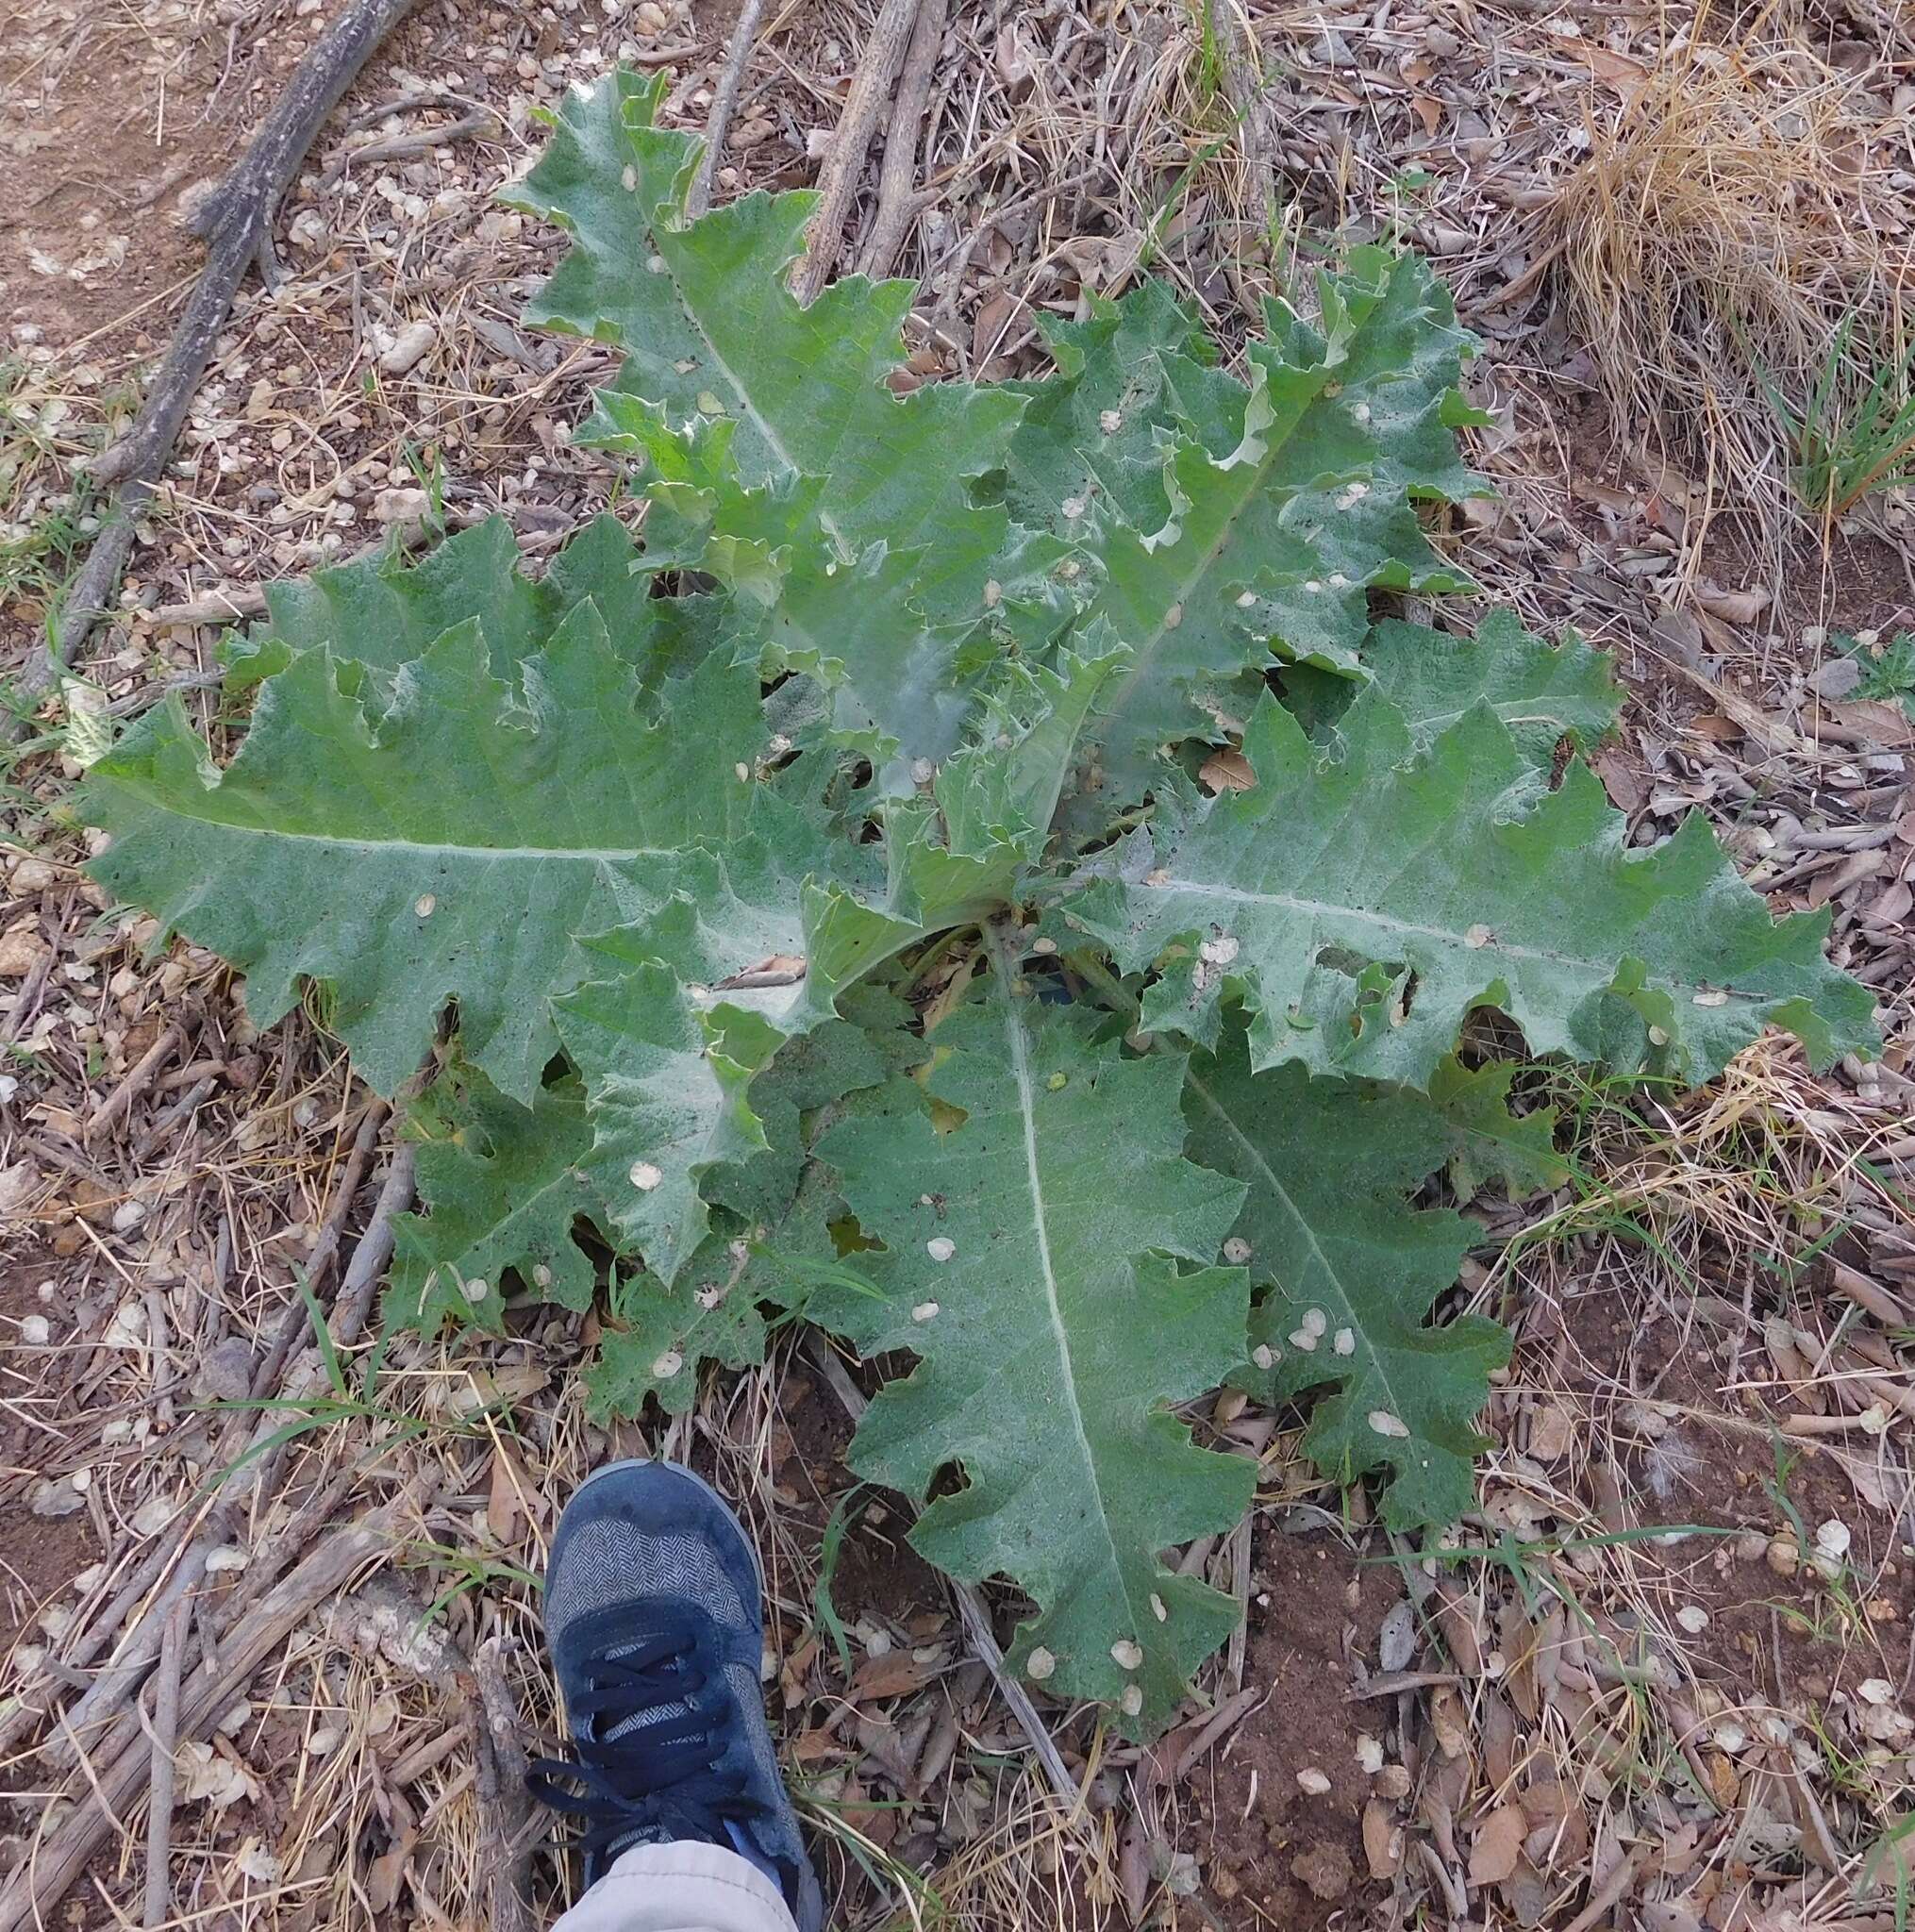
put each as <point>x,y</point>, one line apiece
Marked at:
<point>1313,1781</point>
<point>1832,1538</point>
<point>1368,1753</point>
<point>941,1247</point>
<point>1693,1619</point>
<point>35,1330</point>
<point>1875,1690</point>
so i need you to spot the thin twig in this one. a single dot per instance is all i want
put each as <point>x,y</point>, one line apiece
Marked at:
<point>237,223</point>
<point>871,87</point>
<point>160,1789</point>
<point>131,1089</point>
<point>724,99</point>
<point>897,192</point>
<point>506,1821</point>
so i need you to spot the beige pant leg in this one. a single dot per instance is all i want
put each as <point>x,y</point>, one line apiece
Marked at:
<point>683,1887</point>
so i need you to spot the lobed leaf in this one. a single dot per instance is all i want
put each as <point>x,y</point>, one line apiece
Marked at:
<point>449,842</point>
<point>1027,1262</point>
<point>1353,1271</point>
<point>1365,896</point>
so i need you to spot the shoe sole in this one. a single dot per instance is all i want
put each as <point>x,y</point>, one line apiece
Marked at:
<point>810,1913</point>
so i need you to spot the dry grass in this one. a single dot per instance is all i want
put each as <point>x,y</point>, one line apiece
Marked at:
<point>1734,207</point>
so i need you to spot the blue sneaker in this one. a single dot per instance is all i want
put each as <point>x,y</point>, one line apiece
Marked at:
<point>654,1615</point>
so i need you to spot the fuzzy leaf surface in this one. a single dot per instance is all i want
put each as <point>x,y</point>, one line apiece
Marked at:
<point>712,331</point>
<point>449,842</point>
<point>1363,897</point>
<point>765,1210</point>
<point>1028,1263</point>
<point>1353,1271</point>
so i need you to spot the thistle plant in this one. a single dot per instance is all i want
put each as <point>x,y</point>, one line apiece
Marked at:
<point>972,875</point>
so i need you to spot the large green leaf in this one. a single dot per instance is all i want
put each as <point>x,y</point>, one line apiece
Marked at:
<point>1026,1262</point>
<point>751,946</point>
<point>1353,1271</point>
<point>1133,378</point>
<point>1273,547</point>
<point>1365,896</point>
<point>447,844</point>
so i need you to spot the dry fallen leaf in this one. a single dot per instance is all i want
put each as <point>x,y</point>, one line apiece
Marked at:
<point>1498,1845</point>
<point>1382,1840</point>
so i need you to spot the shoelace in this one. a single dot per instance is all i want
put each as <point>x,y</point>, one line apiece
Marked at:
<point>662,1776</point>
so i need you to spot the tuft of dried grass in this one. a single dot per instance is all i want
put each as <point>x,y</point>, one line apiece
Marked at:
<point>1727,219</point>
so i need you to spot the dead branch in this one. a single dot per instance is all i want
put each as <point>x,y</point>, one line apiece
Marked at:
<point>897,193</point>
<point>237,223</point>
<point>871,87</point>
<point>47,1868</point>
<point>160,1786</point>
<point>506,1822</point>
<point>724,99</point>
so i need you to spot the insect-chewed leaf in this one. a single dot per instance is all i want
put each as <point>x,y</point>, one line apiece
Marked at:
<point>1026,1261</point>
<point>1544,692</point>
<point>1353,1270</point>
<point>1364,897</point>
<point>506,1188</point>
<point>1274,545</point>
<point>449,842</point>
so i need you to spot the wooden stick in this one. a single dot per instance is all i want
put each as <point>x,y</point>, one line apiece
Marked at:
<point>838,179</point>
<point>897,179</point>
<point>506,1822</point>
<point>44,1875</point>
<point>1248,94</point>
<point>237,224</point>
<point>354,1298</point>
<point>108,1693</point>
<point>161,1787</point>
<point>724,99</point>
<point>123,1096</point>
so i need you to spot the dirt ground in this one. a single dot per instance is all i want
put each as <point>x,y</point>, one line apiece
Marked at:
<point>1662,1676</point>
